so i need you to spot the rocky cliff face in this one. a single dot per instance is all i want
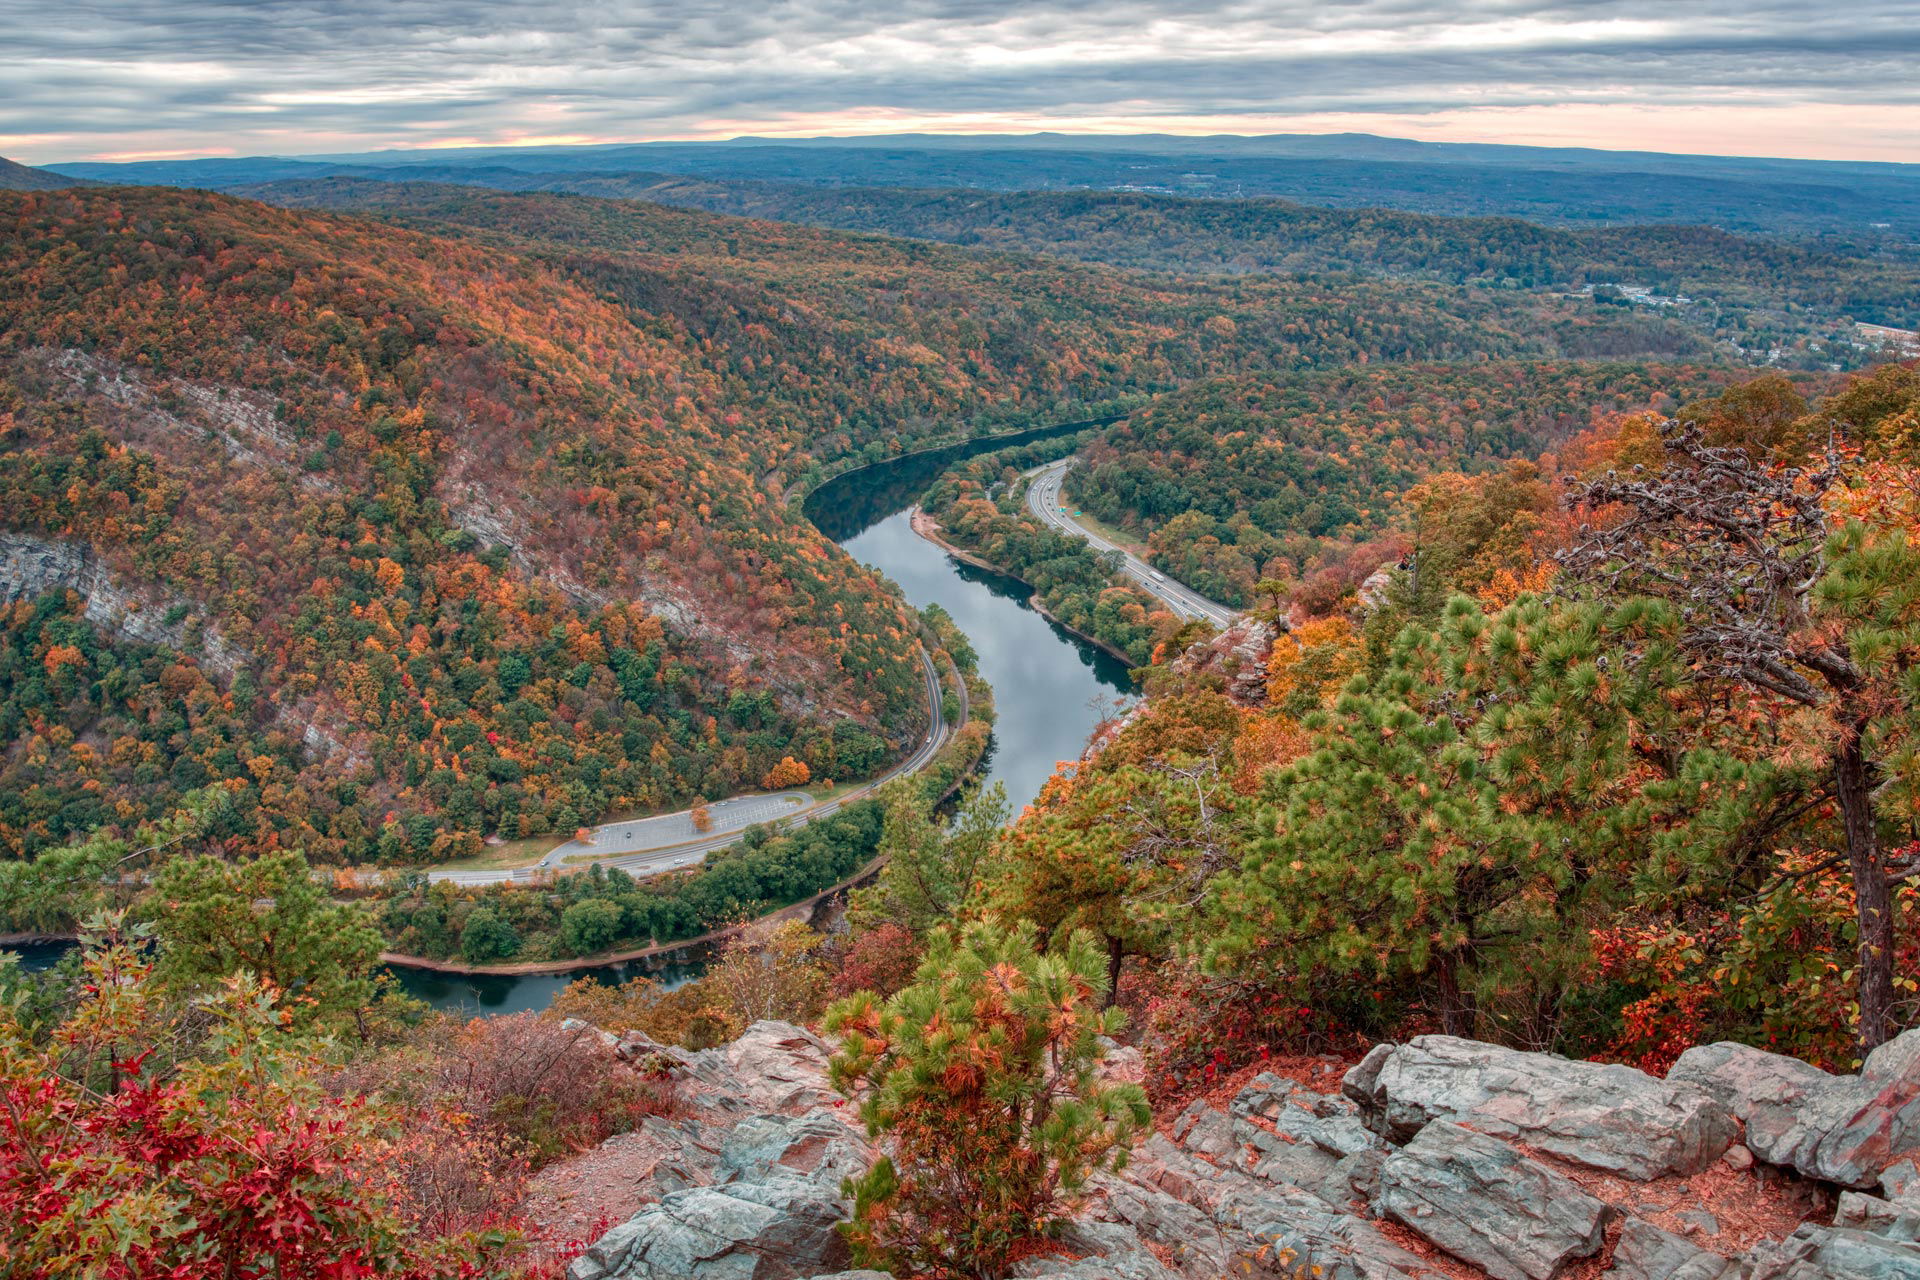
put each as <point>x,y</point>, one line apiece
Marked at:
<point>32,566</point>
<point>1437,1158</point>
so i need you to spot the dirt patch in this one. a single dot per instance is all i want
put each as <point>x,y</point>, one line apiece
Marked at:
<point>602,1185</point>
<point>1721,1208</point>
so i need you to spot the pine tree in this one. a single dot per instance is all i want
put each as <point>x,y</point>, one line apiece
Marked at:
<point>982,1076</point>
<point>268,917</point>
<point>1773,599</point>
<point>1460,816</point>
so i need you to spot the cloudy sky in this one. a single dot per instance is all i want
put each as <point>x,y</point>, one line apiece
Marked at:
<point>138,79</point>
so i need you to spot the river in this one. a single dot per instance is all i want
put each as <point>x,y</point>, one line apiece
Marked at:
<point>1050,687</point>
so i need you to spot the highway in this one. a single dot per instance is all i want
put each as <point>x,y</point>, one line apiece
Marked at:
<point>1043,499</point>
<point>668,842</point>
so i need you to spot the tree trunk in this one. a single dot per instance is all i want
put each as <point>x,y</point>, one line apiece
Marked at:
<point>1873,896</point>
<point>1457,1014</point>
<point>1116,952</point>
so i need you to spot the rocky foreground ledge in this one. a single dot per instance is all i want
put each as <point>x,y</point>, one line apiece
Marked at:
<point>1438,1158</point>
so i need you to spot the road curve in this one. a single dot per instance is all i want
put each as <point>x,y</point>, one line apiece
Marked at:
<point>667,842</point>
<point>1044,501</point>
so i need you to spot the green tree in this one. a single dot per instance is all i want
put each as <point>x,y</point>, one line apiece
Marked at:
<point>271,918</point>
<point>930,870</point>
<point>1462,817</point>
<point>488,936</point>
<point>1122,851</point>
<point>982,1076</point>
<point>55,891</point>
<point>1779,603</point>
<point>590,925</point>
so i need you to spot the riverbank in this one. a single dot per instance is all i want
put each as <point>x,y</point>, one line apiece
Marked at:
<point>803,909</point>
<point>36,939</point>
<point>798,495</point>
<point>929,528</point>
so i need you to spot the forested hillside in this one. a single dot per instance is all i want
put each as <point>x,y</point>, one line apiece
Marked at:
<point>20,177</point>
<point>1536,787</point>
<point>485,535</point>
<point>1166,233</point>
<point>467,549</point>
<point>1020,330</point>
<point>1282,476</point>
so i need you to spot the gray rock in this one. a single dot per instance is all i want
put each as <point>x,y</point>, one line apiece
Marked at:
<point>783,1067</point>
<point>1645,1252</point>
<point>817,1148</point>
<point>1296,1233</point>
<point>1766,1091</point>
<point>1109,1251</point>
<point>1895,1221</point>
<point>1331,1123</point>
<point>1900,1182</point>
<point>1191,1237</point>
<point>1604,1116</point>
<point>1282,1157</point>
<point>1485,1203</point>
<point>1205,1131</point>
<point>1829,1253</point>
<point>1353,1179</point>
<point>740,1232</point>
<point>1871,1124</point>
<point>1259,1225</point>
<point>749,1187</point>
<point>1698,1222</point>
<point>1844,1129</point>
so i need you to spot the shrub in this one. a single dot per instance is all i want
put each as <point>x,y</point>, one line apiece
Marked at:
<point>982,1075</point>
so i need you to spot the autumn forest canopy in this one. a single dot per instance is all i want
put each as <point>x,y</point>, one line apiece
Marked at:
<point>353,529</point>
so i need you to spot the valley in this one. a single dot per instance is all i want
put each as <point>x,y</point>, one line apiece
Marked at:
<point>960,709</point>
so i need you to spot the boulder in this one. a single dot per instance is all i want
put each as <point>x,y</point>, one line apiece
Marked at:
<point>1872,1122</point>
<point>1645,1252</point>
<point>1488,1205</point>
<point>1831,1253</point>
<point>1604,1116</point>
<point>741,1232</point>
<point>1257,1225</point>
<point>1844,1129</point>
<point>742,1197</point>
<point>781,1067</point>
<point>1894,1220</point>
<point>1766,1091</point>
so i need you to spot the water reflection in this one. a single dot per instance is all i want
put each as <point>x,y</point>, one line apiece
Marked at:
<point>844,507</point>
<point>476,994</point>
<point>492,993</point>
<point>1050,687</point>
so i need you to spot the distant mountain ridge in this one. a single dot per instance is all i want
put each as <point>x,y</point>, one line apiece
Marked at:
<point>19,177</point>
<point>1564,186</point>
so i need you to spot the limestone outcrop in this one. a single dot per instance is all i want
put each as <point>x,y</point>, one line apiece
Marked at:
<point>1437,1158</point>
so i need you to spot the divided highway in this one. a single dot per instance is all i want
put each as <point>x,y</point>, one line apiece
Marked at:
<point>668,842</point>
<point>1043,499</point>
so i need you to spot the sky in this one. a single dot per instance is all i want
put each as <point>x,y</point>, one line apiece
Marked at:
<point>149,79</point>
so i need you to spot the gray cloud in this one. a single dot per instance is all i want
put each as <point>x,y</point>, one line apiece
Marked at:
<point>291,76</point>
